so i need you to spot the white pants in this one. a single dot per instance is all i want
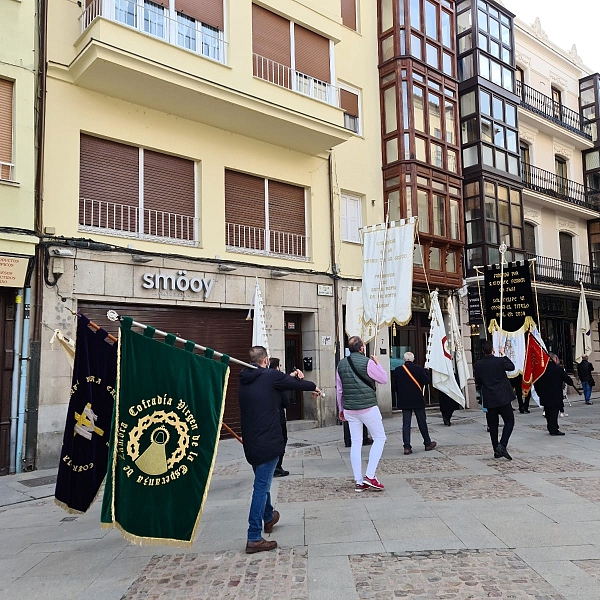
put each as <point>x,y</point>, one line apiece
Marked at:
<point>374,423</point>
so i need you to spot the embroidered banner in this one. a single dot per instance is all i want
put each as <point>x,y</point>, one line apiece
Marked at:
<point>164,438</point>
<point>84,453</point>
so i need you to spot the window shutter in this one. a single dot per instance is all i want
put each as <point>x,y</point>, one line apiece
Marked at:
<point>108,184</point>
<point>349,102</point>
<point>349,13</point>
<point>6,126</point>
<point>287,216</point>
<point>271,36</point>
<point>345,209</point>
<point>169,197</point>
<point>312,54</point>
<point>244,210</point>
<point>209,12</point>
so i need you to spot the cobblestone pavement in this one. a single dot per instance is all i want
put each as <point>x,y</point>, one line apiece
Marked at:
<point>463,421</point>
<point>592,567</point>
<point>591,434</point>
<point>318,489</point>
<point>469,488</point>
<point>471,449</point>
<point>459,574</point>
<point>411,465</point>
<point>314,452</point>
<point>225,470</point>
<point>571,427</point>
<point>585,487</point>
<point>277,575</point>
<point>539,464</point>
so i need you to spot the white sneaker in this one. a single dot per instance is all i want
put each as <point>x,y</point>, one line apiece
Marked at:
<point>543,413</point>
<point>563,414</point>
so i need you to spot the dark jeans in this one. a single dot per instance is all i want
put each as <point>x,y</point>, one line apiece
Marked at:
<point>516,385</point>
<point>284,431</point>
<point>492,414</point>
<point>261,509</point>
<point>347,440</point>
<point>552,418</point>
<point>421,422</point>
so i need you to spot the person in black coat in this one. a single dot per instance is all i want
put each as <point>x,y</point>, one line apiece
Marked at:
<point>584,370</point>
<point>409,380</point>
<point>550,390</point>
<point>497,395</point>
<point>260,399</point>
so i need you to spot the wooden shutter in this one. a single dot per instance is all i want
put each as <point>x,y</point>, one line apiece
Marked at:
<point>312,54</point>
<point>244,210</point>
<point>349,13</point>
<point>287,216</point>
<point>6,126</point>
<point>169,197</point>
<point>108,184</point>
<point>349,102</point>
<point>351,218</point>
<point>270,37</point>
<point>209,12</point>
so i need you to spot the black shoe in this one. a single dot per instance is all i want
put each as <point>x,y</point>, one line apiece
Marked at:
<point>497,454</point>
<point>558,433</point>
<point>526,411</point>
<point>447,422</point>
<point>367,442</point>
<point>521,411</point>
<point>347,445</point>
<point>589,403</point>
<point>502,451</point>
<point>280,473</point>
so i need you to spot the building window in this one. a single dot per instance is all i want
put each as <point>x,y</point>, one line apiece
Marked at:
<point>6,130</point>
<point>529,239</point>
<point>560,168</point>
<point>113,199</point>
<point>557,103</point>
<point>349,13</point>
<point>350,104</point>
<point>565,241</point>
<point>351,218</point>
<point>264,216</point>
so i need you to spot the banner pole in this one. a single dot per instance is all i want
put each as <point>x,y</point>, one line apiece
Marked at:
<point>378,312</point>
<point>502,250</point>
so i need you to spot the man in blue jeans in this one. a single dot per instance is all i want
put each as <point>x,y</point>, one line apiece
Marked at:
<point>584,371</point>
<point>260,397</point>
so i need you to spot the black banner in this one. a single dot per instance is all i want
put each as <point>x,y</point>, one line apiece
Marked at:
<point>518,297</point>
<point>84,455</point>
<point>475,308</point>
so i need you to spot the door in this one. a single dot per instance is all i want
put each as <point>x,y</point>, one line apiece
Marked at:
<point>222,330</point>
<point>529,235</point>
<point>525,163</point>
<point>7,329</point>
<point>565,241</point>
<point>560,167</point>
<point>293,359</point>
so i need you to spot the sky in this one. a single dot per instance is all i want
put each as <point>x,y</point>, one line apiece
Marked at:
<point>566,22</point>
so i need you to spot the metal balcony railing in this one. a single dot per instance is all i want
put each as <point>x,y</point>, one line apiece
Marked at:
<point>279,74</point>
<point>553,270</point>
<point>550,184</point>
<point>257,240</point>
<point>150,18</point>
<point>546,107</point>
<point>124,220</point>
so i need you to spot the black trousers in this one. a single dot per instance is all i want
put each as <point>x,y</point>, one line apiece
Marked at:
<point>447,406</point>
<point>347,441</point>
<point>284,431</point>
<point>492,416</point>
<point>516,385</point>
<point>552,418</point>
<point>421,422</point>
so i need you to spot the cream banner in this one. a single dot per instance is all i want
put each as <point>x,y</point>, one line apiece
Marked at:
<point>355,324</point>
<point>388,273</point>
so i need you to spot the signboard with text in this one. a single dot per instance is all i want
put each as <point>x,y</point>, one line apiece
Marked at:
<point>12,271</point>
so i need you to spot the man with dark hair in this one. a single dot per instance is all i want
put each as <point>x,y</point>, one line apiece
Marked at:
<point>584,370</point>
<point>260,398</point>
<point>497,395</point>
<point>357,403</point>
<point>550,390</point>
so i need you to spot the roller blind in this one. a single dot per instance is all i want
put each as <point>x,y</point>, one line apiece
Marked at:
<point>209,12</point>
<point>312,53</point>
<point>349,13</point>
<point>271,36</point>
<point>287,216</point>
<point>6,125</point>
<point>244,210</point>
<point>349,102</point>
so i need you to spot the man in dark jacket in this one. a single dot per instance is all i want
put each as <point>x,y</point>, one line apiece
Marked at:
<point>550,390</point>
<point>497,395</point>
<point>409,381</point>
<point>584,370</point>
<point>260,398</point>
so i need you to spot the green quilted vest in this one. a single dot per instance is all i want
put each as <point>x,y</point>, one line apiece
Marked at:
<point>357,394</point>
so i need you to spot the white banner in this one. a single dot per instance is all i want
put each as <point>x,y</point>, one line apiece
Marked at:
<point>462,366</point>
<point>259,325</point>
<point>355,324</point>
<point>583,333</point>
<point>388,273</point>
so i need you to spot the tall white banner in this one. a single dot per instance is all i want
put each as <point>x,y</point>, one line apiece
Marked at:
<point>355,324</point>
<point>388,273</point>
<point>259,324</point>
<point>583,333</point>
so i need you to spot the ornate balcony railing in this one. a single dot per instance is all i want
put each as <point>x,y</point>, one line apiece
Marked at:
<point>553,270</point>
<point>124,220</point>
<point>176,29</point>
<point>256,240</point>
<point>550,184</point>
<point>279,74</point>
<point>546,107</point>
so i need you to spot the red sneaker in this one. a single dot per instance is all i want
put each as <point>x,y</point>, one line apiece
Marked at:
<point>374,483</point>
<point>361,487</point>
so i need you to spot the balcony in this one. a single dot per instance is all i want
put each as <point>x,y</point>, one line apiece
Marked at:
<point>555,271</point>
<point>278,74</point>
<point>265,242</point>
<point>550,184</point>
<point>546,107</point>
<point>110,218</point>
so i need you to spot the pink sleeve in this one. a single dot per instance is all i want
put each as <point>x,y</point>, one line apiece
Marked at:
<point>376,372</point>
<point>339,391</point>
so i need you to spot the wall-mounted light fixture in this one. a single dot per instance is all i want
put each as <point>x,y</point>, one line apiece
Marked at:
<point>226,268</point>
<point>140,258</point>
<point>62,252</point>
<point>276,273</point>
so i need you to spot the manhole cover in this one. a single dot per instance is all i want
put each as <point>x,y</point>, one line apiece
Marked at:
<point>38,481</point>
<point>297,445</point>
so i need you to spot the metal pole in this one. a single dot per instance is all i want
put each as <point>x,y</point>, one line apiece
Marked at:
<point>14,401</point>
<point>23,382</point>
<point>378,311</point>
<point>502,251</point>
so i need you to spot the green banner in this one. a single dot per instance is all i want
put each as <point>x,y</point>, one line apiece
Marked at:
<point>164,438</point>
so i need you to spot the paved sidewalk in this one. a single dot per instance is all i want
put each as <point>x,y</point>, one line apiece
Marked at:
<point>454,523</point>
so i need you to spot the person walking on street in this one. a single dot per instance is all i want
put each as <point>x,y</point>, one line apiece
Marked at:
<point>410,380</point>
<point>356,380</point>
<point>550,390</point>
<point>584,370</point>
<point>260,400</point>
<point>516,382</point>
<point>497,395</point>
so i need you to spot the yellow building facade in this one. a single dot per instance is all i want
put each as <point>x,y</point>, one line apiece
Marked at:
<point>193,150</point>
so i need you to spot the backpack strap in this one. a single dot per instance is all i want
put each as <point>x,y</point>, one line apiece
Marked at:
<point>371,383</point>
<point>413,378</point>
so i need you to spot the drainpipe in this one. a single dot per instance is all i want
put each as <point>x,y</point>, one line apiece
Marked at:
<point>23,382</point>
<point>14,399</point>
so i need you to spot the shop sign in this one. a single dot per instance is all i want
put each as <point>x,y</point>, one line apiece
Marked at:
<point>474,299</point>
<point>12,271</point>
<point>178,282</point>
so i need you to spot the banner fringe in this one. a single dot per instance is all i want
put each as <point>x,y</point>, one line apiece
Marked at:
<point>71,511</point>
